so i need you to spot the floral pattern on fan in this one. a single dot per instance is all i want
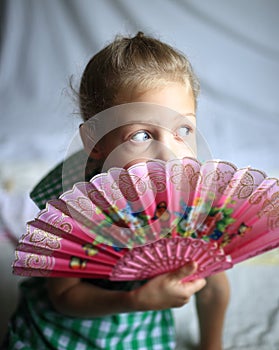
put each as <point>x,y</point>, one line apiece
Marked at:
<point>152,213</point>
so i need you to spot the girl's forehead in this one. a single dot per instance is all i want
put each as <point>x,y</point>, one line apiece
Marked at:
<point>166,122</point>
<point>137,113</point>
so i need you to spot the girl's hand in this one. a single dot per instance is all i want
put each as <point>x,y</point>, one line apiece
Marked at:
<point>76,298</point>
<point>167,290</point>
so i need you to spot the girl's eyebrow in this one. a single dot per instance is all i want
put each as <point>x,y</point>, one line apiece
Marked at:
<point>132,125</point>
<point>139,124</point>
<point>186,115</point>
<point>129,128</point>
<point>151,121</point>
<point>184,118</point>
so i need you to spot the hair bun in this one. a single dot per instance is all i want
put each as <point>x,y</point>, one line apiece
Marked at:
<point>140,35</point>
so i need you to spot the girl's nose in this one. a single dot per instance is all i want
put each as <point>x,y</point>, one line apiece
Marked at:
<point>162,152</point>
<point>167,147</point>
<point>171,146</point>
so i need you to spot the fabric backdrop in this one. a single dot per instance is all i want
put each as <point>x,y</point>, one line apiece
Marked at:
<point>233,46</point>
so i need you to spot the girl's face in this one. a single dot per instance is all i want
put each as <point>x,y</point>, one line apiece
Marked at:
<point>165,135</point>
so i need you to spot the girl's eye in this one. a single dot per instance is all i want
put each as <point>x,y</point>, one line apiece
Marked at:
<point>183,131</point>
<point>140,136</point>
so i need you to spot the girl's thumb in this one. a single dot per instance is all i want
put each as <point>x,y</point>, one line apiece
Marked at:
<point>186,270</point>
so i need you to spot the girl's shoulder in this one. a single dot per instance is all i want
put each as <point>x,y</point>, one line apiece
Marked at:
<point>62,178</point>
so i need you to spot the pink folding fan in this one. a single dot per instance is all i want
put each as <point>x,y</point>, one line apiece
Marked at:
<point>136,223</point>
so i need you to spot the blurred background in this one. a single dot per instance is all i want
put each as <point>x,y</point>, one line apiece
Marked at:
<point>234,49</point>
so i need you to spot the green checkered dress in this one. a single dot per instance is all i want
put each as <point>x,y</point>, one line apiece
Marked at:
<point>36,325</point>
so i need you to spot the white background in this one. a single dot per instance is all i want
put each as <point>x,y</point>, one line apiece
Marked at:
<point>233,46</point>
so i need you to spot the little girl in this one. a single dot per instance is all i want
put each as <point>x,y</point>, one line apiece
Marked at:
<point>72,313</point>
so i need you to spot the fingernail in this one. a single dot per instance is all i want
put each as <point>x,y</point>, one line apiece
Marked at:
<point>191,265</point>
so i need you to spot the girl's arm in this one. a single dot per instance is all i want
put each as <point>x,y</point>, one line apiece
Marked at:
<point>76,298</point>
<point>212,304</point>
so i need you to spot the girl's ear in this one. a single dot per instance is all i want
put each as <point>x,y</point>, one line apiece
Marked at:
<point>90,148</point>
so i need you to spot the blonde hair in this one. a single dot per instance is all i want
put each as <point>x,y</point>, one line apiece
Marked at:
<point>131,64</point>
